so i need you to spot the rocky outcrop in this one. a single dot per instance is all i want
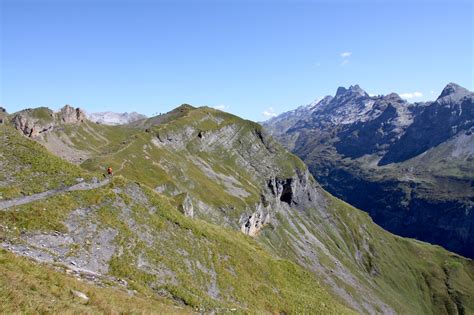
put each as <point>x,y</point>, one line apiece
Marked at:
<point>299,191</point>
<point>33,122</point>
<point>186,206</point>
<point>253,223</point>
<point>80,295</point>
<point>71,115</point>
<point>282,195</point>
<point>29,125</point>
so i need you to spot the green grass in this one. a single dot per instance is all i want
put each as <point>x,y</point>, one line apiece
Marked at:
<point>99,139</point>
<point>247,277</point>
<point>411,275</point>
<point>25,173</point>
<point>42,114</point>
<point>31,288</point>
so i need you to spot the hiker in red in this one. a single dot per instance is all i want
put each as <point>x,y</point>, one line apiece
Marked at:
<point>109,171</point>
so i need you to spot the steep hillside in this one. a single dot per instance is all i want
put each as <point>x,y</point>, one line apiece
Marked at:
<point>120,234</point>
<point>409,165</point>
<point>27,287</point>
<point>225,174</point>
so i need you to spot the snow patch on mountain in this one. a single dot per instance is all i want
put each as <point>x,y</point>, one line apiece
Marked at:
<point>111,118</point>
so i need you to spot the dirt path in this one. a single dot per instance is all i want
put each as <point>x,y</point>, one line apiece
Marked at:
<point>123,164</point>
<point>46,194</point>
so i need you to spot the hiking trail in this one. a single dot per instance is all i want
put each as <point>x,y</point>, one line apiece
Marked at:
<point>49,193</point>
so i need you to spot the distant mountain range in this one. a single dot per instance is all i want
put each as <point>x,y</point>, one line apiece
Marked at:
<point>111,118</point>
<point>410,165</point>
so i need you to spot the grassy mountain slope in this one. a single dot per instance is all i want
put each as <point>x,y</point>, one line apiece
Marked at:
<point>24,173</point>
<point>125,235</point>
<point>217,168</point>
<point>411,276</point>
<point>27,287</point>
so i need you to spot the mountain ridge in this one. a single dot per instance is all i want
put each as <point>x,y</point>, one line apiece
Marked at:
<point>385,155</point>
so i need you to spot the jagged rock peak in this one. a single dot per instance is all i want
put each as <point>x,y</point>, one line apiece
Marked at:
<point>71,115</point>
<point>394,97</point>
<point>341,90</point>
<point>355,90</point>
<point>453,88</point>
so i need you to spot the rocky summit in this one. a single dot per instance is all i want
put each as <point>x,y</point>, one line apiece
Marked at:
<point>205,212</point>
<point>409,165</point>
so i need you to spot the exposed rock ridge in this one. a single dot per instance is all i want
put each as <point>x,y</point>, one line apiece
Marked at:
<point>71,115</point>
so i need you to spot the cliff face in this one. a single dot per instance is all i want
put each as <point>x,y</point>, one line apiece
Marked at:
<point>221,171</point>
<point>409,165</point>
<point>71,115</point>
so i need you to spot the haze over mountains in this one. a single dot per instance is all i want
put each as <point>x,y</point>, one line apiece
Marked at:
<point>205,212</point>
<point>410,165</point>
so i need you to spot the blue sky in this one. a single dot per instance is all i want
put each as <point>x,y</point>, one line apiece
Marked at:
<point>248,57</point>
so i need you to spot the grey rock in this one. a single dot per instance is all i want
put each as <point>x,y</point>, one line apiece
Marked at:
<point>80,295</point>
<point>187,206</point>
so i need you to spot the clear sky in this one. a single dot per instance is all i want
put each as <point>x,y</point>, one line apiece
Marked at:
<point>248,57</point>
